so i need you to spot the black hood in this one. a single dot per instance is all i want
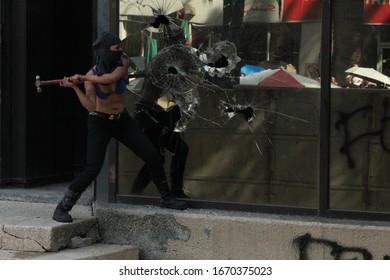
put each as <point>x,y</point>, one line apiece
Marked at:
<point>107,60</point>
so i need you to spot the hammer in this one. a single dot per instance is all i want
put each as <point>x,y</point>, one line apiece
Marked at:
<point>39,83</point>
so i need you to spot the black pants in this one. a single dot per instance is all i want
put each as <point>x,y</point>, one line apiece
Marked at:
<point>125,130</point>
<point>162,137</point>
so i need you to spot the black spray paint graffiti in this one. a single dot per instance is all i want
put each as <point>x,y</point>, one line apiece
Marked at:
<point>336,251</point>
<point>348,142</point>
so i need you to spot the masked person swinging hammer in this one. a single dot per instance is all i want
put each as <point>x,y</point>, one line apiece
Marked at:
<point>104,99</point>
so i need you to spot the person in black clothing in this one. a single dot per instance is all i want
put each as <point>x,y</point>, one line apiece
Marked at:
<point>158,124</point>
<point>104,99</point>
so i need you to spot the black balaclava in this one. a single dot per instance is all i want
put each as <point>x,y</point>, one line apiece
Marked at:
<point>106,59</point>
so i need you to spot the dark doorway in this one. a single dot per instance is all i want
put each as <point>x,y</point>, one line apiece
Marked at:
<point>43,134</point>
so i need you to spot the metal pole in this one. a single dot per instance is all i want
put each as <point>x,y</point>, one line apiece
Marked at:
<point>105,189</point>
<point>325,103</point>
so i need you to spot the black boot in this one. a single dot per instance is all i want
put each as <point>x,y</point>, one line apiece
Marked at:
<point>168,201</point>
<point>66,204</point>
<point>179,192</point>
<point>173,203</point>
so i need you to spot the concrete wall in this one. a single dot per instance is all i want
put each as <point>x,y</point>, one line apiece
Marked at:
<point>219,235</point>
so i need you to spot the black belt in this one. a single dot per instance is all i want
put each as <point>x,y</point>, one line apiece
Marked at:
<point>111,117</point>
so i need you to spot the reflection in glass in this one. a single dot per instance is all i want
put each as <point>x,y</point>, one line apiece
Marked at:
<point>254,80</point>
<point>360,107</point>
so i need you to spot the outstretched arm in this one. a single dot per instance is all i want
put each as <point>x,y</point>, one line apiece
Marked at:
<point>120,72</point>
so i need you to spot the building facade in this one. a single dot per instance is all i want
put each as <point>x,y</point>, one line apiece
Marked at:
<point>318,143</point>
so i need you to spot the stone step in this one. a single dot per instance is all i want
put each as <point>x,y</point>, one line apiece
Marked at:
<point>26,226</point>
<point>94,252</point>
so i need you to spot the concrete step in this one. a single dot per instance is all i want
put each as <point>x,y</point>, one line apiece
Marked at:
<point>26,226</point>
<point>94,252</point>
<point>51,193</point>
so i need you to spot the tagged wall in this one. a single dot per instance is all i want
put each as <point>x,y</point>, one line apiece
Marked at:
<point>208,234</point>
<point>360,151</point>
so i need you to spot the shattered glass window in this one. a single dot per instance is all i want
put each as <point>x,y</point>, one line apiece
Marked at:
<point>239,81</point>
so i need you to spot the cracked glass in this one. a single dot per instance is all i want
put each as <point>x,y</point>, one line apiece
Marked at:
<point>245,79</point>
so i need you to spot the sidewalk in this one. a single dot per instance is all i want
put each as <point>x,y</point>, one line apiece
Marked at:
<point>34,206</point>
<point>50,193</point>
<point>28,231</point>
<point>37,214</point>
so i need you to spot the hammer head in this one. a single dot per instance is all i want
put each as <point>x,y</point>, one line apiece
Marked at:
<point>38,84</point>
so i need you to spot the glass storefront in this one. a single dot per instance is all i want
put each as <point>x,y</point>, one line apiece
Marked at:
<point>254,137</point>
<point>359,113</point>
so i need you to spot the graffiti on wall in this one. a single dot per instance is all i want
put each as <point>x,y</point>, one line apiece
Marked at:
<point>307,245</point>
<point>344,121</point>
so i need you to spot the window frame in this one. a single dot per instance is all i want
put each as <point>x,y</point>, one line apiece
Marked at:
<point>323,209</point>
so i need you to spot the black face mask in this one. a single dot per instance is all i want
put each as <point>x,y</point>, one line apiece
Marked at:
<point>107,61</point>
<point>113,56</point>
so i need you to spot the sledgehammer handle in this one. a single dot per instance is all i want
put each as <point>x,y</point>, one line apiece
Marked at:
<point>39,83</point>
